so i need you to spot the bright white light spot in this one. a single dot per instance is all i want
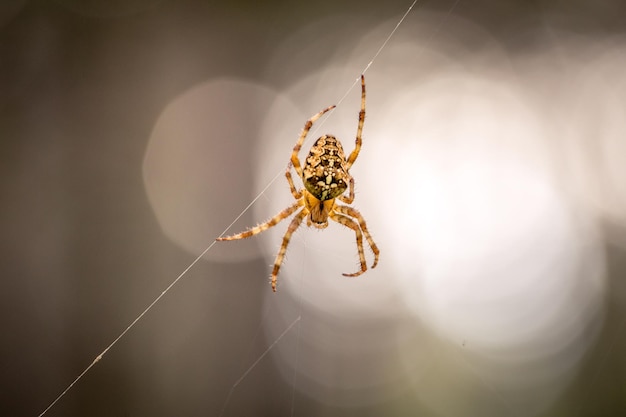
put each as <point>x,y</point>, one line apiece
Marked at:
<point>477,240</point>
<point>486,250</point>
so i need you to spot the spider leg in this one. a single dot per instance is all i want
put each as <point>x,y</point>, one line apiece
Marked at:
<point>352,212</point>
<point>350,198</point>
<point>296,149</point>
<point>264,226</point>
<point>359,129</point>
<point>296,194</point>
<point>293,226</point>
<point>348,222</point>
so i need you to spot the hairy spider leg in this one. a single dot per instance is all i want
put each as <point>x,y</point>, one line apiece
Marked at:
<point>352,212</point>
<point>350,198</point>
<point>293,226</point>
<point>264,226</point>
<point>297,194</point>
<point>307,126</point>
<point>348,222</point>
<point>359,130</point>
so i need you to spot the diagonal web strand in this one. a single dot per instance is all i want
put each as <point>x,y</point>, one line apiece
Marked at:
<point>256,362</point>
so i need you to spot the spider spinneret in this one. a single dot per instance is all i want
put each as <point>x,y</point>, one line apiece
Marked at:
<point>326,177</point>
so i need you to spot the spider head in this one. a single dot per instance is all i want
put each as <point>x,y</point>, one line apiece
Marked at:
<point>318,210</point>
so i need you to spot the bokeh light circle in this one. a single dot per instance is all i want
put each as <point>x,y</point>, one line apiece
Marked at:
<point>197,166</point>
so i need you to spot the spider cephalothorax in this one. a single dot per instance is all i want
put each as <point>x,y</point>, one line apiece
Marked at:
<point>326,177</point>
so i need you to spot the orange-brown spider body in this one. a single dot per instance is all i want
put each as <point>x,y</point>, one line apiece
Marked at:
<point>326,177</point>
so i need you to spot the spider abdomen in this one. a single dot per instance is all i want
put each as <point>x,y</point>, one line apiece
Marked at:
<point>324,173</point>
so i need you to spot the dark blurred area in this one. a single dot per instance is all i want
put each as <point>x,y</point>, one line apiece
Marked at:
<point>133,132</point>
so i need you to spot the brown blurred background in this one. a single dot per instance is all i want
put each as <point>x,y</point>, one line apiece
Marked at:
<point>133,132</point>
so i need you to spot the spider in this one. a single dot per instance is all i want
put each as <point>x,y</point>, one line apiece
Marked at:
<point>326,177</point>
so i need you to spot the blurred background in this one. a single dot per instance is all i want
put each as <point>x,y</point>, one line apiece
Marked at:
<point>492,177</point>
